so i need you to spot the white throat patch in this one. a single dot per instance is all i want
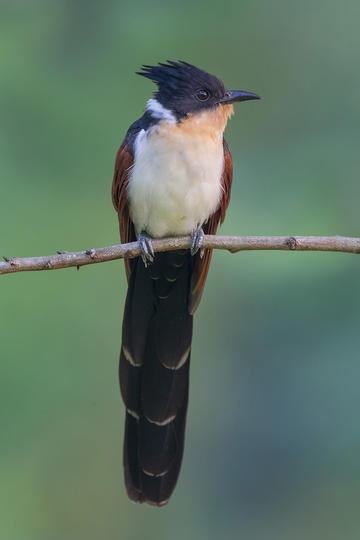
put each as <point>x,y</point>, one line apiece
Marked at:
<point>160,112</point>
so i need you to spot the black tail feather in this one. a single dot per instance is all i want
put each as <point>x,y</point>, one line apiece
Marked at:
<point>154,375</point>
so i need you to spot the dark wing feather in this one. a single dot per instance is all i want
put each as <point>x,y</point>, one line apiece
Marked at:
<point>123,163</point>
<point>201,265</point>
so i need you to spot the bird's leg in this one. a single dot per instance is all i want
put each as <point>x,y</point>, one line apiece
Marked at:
<point>196,239</point>
<point>147,252</point>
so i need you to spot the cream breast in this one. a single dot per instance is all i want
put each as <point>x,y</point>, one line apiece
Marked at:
<point>175,182</point>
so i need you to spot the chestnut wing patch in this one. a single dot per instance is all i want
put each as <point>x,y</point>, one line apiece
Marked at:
<point>123,163</point>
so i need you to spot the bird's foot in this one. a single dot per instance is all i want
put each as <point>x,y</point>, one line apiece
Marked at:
<point>147,252</point>
<point>196,239</point>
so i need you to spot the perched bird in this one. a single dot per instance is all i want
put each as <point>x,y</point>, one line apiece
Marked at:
<point>173,175</point>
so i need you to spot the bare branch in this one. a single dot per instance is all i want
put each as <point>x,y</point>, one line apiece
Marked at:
<point>230,243</point>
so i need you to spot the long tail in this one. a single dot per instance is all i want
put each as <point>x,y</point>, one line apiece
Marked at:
<point>154,374</point>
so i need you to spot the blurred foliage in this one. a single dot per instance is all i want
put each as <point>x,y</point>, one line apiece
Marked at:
<point>273,436</point>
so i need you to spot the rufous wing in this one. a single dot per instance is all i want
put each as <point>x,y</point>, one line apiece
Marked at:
<point>201,265</point>
<point>123,163</point>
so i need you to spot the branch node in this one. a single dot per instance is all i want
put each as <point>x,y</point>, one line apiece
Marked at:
<point>292,242</point>
<point>13,261</point>
<point>48,265</point>
<point>91,253</point>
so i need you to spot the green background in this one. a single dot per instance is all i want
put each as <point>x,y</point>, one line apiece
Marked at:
<point>273,435</point>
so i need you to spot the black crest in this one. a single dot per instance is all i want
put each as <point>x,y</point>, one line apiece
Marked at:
<point>184,88</point>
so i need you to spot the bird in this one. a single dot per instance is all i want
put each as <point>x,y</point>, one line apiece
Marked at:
<point>173,175</point>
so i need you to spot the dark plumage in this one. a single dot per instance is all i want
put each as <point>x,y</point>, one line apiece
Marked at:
<point>178,83</point>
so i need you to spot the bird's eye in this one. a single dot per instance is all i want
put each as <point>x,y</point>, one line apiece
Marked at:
<point>202,95</point>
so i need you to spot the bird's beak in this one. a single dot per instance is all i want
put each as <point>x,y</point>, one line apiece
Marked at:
<point>231,96</point>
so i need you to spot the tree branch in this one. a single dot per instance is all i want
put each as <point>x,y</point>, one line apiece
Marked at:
<point>230,243</point>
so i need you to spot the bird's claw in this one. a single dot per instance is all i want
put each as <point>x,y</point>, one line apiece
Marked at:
<point>147,251</point>
<point>196,239</point>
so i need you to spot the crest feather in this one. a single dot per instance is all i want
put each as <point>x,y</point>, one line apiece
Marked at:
<point>176,72</point>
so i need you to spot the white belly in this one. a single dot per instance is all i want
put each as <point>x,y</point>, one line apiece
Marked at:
<point>175,182</point>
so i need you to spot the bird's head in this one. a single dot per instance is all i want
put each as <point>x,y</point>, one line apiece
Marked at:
<point>184,89</point>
